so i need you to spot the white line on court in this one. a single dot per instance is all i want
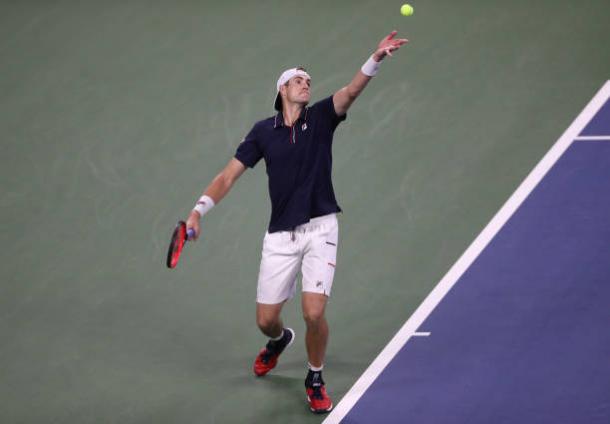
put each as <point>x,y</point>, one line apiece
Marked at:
<point>455,272</point>
<point>422,334</point>
<point>593,138</point>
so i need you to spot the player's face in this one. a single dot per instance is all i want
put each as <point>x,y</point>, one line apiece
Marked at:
<point>298,90</point>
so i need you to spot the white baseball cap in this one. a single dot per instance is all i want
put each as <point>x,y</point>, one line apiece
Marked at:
<point>284,78</point>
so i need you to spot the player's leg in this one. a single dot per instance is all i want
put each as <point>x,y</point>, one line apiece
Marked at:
<point>316,339</point>
<point>268,319</point>
<point>280,264</point>
<point>316,336</point>
<point>318,274</point>
<point>319,261</point>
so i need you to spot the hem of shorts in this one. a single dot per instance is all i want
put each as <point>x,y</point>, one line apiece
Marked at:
<point>324,292</point>
<point>266,302</point>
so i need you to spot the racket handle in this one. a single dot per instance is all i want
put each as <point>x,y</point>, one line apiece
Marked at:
<point>190,234</point>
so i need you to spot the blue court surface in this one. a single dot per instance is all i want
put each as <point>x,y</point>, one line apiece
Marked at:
<point>518,330</point>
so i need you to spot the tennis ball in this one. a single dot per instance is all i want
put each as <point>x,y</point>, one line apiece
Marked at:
<point>406,9</point>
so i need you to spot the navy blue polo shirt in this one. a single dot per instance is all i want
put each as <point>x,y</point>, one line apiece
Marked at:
<point>299,163</point>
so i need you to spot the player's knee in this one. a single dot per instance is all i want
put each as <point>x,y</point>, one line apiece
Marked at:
<point>313,317</point>
<point>266,323</point>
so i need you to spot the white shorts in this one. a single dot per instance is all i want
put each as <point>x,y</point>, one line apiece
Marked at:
<point>310,248</point>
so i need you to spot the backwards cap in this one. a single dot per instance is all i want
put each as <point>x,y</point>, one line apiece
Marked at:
<point>284,78</point>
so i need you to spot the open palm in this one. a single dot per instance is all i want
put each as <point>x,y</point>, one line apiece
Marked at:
<point>388,45</point>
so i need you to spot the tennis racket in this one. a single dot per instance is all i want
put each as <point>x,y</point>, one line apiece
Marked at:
<point>179,238</point>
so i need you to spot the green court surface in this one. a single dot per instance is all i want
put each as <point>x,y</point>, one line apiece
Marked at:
<point>115,115</point>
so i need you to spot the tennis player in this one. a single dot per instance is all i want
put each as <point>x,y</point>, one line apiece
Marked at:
<point>303,230</point>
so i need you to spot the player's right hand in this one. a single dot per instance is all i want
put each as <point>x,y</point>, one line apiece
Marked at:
<point>193,222</point>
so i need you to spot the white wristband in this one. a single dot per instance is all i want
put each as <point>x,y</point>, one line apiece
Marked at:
<point>370,67</point>
<point>204,204</point>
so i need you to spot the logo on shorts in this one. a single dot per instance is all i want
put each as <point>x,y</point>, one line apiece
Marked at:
<point>319,284</point>
<point>303,127</point>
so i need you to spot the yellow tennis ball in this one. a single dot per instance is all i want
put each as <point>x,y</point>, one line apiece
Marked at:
<point>406,9</point>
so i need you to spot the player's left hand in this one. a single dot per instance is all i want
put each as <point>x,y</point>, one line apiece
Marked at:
<point>388,45</point>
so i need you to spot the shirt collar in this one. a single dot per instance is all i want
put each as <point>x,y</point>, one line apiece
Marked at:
<point>279,118</point>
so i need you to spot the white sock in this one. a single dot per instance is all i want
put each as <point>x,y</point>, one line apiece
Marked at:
<point>275,339</point>
<point>315,369</point>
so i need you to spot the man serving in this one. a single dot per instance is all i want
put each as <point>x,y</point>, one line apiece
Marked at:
<point>296,145</point>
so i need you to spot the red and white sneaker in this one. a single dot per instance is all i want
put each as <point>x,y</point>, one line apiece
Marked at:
<point>267,358</point>
<point>319,402</point>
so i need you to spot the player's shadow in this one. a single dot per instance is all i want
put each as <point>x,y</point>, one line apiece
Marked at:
<point>283,382</point>
<point>290,389</point>
<point>344,365</point>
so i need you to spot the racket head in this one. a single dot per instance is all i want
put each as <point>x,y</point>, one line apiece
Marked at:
<point>179,237</point>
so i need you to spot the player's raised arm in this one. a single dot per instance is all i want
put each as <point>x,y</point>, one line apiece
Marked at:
<point>344,98</point>
<point>215,191</point>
